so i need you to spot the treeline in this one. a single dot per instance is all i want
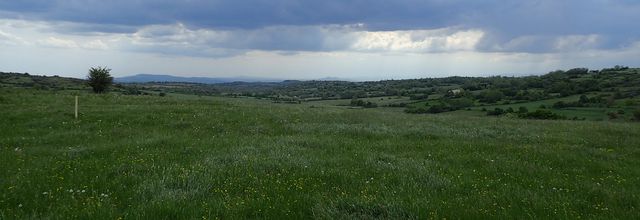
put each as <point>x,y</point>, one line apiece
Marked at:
<point>490,89</point>
<point>481,89</point>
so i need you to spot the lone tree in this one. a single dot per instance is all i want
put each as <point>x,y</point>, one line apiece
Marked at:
<point>99,79</point>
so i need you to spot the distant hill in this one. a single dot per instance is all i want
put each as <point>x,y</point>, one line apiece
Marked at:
<point>10,79</point>
<point>144,78</point>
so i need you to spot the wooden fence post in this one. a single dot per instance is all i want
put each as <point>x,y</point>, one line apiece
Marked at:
<point>76,107</point>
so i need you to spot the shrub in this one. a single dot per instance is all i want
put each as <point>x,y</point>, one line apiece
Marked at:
<point>402,104</point>
<point>496,112</point>
<point>562,104</point>
<point>559,104</point>
<point>584,99</point>
<point>636,114</point>
<point>361,103</point>
<point>99,79</point>
<point>414,110</point>
<point>490,96</point>
<point>541,114</point>
<point>577,71</point>
<point>523,109</point>
<point>131,91</point>
<point>460,103</point>
<point>436,109</point>
<point>418,96</point>
<point>370,105</point>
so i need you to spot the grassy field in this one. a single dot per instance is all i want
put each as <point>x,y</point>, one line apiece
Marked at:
<point>189,157</point>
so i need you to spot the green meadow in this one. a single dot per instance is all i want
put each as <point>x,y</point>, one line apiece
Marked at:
<point>191,157</point>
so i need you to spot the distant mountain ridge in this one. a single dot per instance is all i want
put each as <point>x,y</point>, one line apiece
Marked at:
<point>144,78</point>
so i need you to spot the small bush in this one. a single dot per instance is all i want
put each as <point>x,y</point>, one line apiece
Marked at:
<point>414,110</point>
<point>99,79</point>
<point>496,112</point>
<point>370,105</point>
<point>523,109</point>
<point>402,104</point>
<point>361,103</point>
<point>559,104</point>
<point>541,114</point>
<point>131,91</point>
<point>629,102</point>
<point>436,109</point>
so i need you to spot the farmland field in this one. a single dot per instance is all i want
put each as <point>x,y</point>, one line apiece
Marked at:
<point>188,157</point>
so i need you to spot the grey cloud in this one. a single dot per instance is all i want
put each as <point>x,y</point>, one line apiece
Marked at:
<point>509,25</point>
<point>239,14</point>
<point>535,26</point>
<point>275,38</point>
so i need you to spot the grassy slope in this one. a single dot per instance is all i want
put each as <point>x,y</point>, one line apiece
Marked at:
<point>168,157</point>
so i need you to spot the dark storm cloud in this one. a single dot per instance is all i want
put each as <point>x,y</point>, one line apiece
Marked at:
<point>510,25</point>
<point>241,14</point>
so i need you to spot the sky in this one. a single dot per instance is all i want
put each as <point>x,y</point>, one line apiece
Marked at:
<point>289,39</point>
